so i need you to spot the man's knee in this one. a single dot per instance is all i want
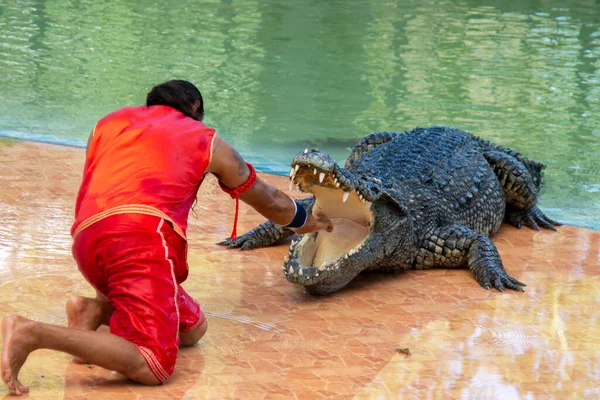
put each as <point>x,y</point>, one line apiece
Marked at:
<point>192,337</point>
<point>142,374</point>
<point>76,305</point>
<point>155,368</point>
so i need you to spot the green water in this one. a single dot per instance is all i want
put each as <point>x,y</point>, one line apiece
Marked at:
<point>279,76</point>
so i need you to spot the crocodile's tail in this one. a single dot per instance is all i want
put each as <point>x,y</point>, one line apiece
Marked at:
<point>535,168</point>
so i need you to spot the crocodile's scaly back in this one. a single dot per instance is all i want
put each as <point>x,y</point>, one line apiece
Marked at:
<point>414,156</point>
<point>367,143</point>
<point>443,176</point>
<point>376,139</point>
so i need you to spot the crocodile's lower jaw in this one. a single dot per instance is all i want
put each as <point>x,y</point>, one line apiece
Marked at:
<point>317,256</point>
<point>323,254</point>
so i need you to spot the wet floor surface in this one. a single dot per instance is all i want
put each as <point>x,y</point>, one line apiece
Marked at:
<point>268,339</point>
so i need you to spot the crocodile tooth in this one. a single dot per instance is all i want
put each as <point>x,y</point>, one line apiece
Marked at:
<point>321,177</point>
<point>286,259</point>
<point>322,267</point>
<point>305,151</point>
<point>297,167</point>
<point>346,256</point>
<point>300,272</point>
<point>291,184</point>
<point>345,196</point>
<point>335,179</point>
<point>316,275</point>
<point>337,184</point>
<point>314,171</point>
<point>292,172</point>
<point>291,270</point>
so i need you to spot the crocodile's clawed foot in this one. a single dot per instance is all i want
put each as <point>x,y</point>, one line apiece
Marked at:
<point>490,274</point>
<point>263,235</point>
<point>533,218</point>
<point>500,281</point>
<point>244,242</point>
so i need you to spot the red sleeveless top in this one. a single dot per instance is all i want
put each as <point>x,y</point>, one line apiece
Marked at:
<point>143,160</point>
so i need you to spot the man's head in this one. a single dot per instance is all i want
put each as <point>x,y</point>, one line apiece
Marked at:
<point>181,95</point>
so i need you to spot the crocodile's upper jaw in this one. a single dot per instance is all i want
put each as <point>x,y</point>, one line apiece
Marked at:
<point>322,256</point>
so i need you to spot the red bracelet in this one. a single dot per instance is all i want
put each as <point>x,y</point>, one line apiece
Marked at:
<point>234,193</point>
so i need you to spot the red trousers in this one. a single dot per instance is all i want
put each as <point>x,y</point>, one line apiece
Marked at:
<point>138,262</point>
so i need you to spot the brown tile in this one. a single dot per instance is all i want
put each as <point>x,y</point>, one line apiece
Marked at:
<point>269,339</point>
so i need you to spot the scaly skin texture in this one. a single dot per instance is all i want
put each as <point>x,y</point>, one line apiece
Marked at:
<point>436,194</point>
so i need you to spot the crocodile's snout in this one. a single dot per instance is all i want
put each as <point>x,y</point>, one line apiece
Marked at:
<point>340,196</point>
<point>320,160</point>
<point>315,168</point>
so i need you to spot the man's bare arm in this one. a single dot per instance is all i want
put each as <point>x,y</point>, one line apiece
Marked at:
<point>272,203</point>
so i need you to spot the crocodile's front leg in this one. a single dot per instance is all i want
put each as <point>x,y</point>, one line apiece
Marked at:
<point>520,192</point>
<point>265,234</point>
<point>457,246</point>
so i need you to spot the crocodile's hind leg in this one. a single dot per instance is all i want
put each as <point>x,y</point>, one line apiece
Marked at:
<point>457,246</point>
<point>520,192</point>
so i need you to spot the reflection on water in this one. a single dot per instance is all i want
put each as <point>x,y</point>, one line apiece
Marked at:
<point>279,76</point>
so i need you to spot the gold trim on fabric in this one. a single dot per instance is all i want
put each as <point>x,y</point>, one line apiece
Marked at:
<point>154,364</point>
<point>172,266</point>
<point>127,209</point>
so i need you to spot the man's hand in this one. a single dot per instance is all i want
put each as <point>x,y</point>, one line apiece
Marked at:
<point>315,223</point>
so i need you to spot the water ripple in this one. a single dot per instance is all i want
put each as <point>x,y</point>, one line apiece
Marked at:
<point>278,78</point>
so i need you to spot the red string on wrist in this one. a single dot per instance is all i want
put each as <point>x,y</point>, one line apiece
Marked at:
<point>234,193</point>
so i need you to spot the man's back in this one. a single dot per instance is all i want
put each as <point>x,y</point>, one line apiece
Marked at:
<point>148,160</point>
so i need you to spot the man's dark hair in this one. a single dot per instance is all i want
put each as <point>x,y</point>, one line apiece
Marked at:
<point>181,95</point>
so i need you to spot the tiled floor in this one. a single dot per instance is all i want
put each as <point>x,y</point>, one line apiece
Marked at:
<point>268,339</point>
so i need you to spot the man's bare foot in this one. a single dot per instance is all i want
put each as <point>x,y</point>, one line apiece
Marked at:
<point>86,314</point>
<point>18,340</point>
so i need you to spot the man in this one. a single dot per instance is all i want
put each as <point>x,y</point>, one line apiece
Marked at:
<point>144,166</point>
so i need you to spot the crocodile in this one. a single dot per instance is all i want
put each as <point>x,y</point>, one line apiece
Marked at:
<point>419,199</point>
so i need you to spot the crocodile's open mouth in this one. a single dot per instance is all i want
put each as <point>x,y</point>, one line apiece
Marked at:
<point>318,255</point>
